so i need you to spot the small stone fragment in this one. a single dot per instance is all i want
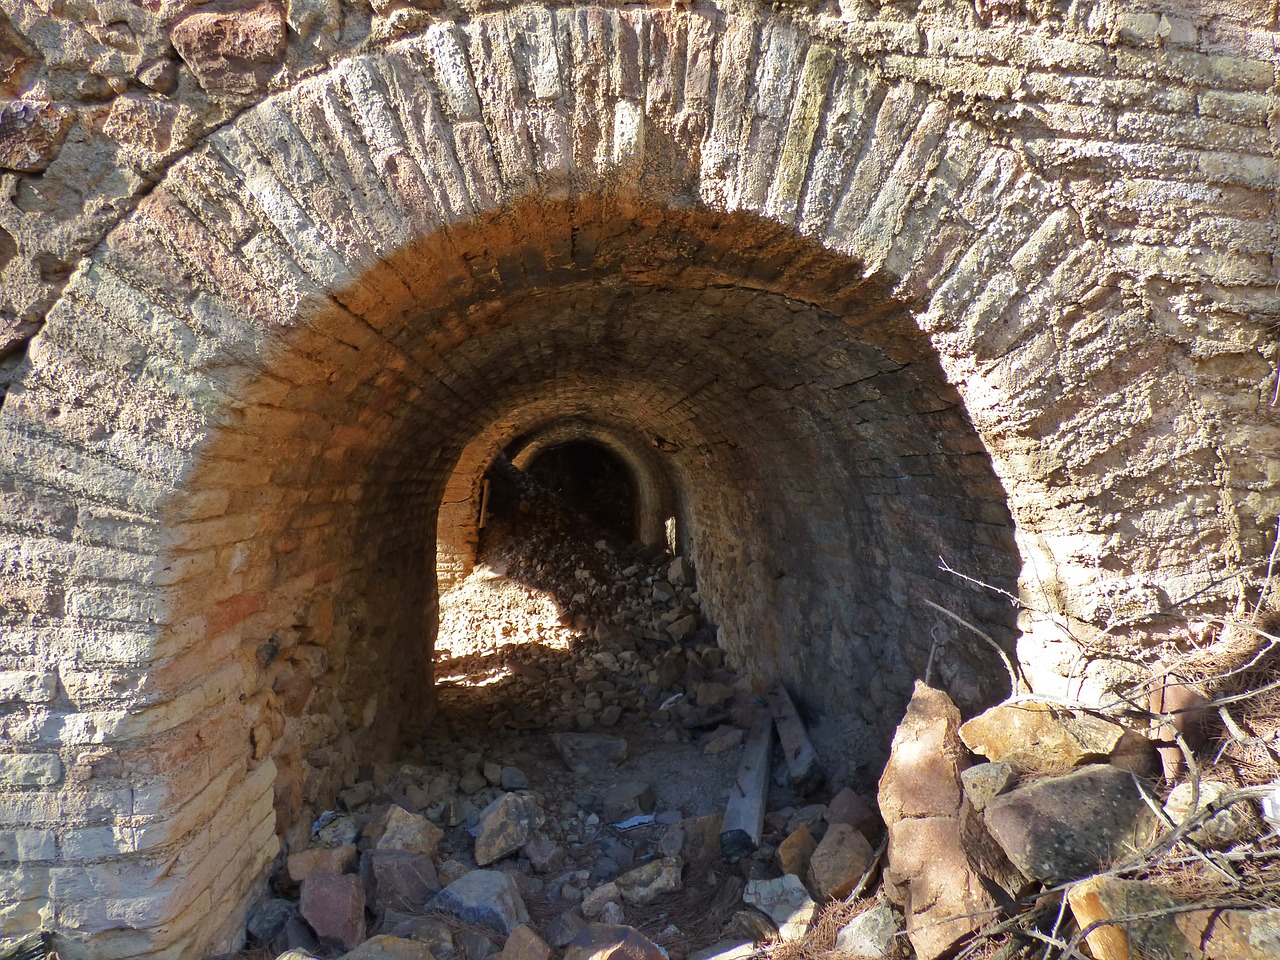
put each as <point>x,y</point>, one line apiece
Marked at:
<point>795,851</point>
<point>268,918</point>
<point>724,740</point>
<point>544,854</point>
<point>647,883</point>
<point>1218,831</point>
<point>525,944</point>
<point>411,832</point>
<point>384,947</point>
<point>593,903</point>
<point>785,901</point>
<point>986,780</point>
<point>31,133</point>
<point>513,778</point>
<point>627,799</point>
<point>871,934</point>
<point>484,897</point>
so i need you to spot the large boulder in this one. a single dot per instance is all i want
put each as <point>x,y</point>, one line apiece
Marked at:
<point>1064,828</point>
<point>941,865</point>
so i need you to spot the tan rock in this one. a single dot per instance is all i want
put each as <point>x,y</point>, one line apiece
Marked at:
<point>606,941</point>
<point>1040,737</point>
<point>232,52</point>
<point>1108,901</point>
<point>1220,830</point>
<point>384,947</point>
<point>329,859</point>
<point>525,944</point>
<point>1233,934</point>
<point>839,862</point>
<point>930,872</point>
<point>794,852</point>
<point>31,133</point>
<point>647,883</point>
<point>402,830</point>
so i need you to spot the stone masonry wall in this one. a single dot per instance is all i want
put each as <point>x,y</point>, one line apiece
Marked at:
<point>896,284</point>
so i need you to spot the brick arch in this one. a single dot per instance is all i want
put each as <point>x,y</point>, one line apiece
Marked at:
<point>457,533</point>
<point>226,380</point>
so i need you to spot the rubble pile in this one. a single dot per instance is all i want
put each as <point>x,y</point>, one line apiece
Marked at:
<point>592,747</point>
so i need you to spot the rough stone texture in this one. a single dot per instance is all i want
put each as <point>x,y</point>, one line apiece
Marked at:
<point>839,861</point>
<point>1040,737</point>
<point>335,860</point>
<point>795,851</point>
<point>384,947</point>
<point>938,856</point>
<point>995,288</point>
<point>984,781</point>
<point>233,51</point>
<point>334,907</point>
<point>786,902</point>
<point>505,826</point>
<point>872,933</point>
<point>1108,901</point>
<point>31,131</point>
<point>603,941</point>
<point>1220,830</point>
<point>1064,828</point>
<point>525,944</point>
<point>398,881</point>
<point>484,897</point>
<point>647,883</point>
<point>409,832</point>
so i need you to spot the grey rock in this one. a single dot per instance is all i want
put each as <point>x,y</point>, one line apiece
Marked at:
<point>513,778</point>
<point>870,934</point>
<point>398,880</point>
<point>626,799</point>
<point>785,901</point>
<point>1064,828</point>
<point>268,918</point>
<point>984,781</point>
<point>483,897</point>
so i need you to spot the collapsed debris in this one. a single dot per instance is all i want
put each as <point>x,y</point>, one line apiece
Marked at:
<point>601,783</point>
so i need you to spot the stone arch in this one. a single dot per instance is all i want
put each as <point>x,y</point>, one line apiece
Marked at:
<point>456,525</point>
<point>230,378</point>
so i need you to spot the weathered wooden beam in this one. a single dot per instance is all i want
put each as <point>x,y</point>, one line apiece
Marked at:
<point>803,766</point>
<point>744,814</point>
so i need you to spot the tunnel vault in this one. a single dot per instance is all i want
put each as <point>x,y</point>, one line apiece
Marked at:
<point>234,436</point>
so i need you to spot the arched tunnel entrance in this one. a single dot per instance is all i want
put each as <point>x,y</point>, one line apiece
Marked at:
<point>821,462</point>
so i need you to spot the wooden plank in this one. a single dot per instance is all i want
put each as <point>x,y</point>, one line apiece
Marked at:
<point>744,814</point>
<point>803,766</point>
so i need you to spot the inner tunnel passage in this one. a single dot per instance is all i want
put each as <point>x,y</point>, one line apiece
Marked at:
<point>818,465</point>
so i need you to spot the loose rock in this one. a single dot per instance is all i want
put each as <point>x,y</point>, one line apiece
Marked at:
<point>484,897</point>
<point>786,902</point>
<point>506,825</point>
<point>589,752</point>
<point>602,941</point>
<point>871,934</point>
<point>839,862</point>
<point>334,907</point>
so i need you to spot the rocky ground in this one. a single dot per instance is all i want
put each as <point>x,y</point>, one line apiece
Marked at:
<point>570,795</point>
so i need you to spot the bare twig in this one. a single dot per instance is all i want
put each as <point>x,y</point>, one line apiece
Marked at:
<point>1014,679</point>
